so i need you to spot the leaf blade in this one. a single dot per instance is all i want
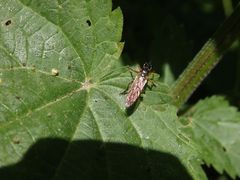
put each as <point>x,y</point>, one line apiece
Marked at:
<point>214,126</point>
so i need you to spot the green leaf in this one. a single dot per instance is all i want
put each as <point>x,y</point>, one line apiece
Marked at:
<point>214,125</point>
<point>61,115</point>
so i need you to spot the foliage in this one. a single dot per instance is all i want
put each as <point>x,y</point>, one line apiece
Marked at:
<point>62,115</point>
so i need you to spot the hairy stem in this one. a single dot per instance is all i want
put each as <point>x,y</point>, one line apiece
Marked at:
<point>206,59</point>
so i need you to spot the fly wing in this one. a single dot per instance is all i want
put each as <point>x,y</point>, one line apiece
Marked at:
<point>135,90</point>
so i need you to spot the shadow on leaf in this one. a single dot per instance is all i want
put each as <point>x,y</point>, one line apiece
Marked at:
<point>54,159</point>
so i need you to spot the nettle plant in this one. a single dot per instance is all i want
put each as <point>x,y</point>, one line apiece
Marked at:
<point>62,115</point>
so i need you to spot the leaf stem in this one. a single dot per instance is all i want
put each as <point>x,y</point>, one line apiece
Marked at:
<point>206,59</point>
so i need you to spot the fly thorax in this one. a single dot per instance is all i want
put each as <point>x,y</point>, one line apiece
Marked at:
<point>144,73</point>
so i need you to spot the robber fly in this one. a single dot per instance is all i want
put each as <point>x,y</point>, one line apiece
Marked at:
<point>138,84</point>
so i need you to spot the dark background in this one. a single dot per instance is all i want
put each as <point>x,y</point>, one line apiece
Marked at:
<point>172,32</point>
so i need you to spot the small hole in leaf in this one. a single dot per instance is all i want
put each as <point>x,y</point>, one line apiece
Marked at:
<point>16,140</point>
<point>69,67</point>
<point>18,97</point>
<point>8,22</point>
<point>24,64</point>
<point>89,22</point>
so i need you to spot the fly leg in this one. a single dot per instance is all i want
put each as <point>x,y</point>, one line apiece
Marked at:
<point>131,72</point>
<point>126,90</point>
<point>151,83</point>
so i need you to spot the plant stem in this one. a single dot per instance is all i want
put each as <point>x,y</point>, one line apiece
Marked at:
<point>206,59</point>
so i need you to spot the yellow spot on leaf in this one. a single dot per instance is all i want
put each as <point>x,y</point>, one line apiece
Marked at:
<point>55,72</point>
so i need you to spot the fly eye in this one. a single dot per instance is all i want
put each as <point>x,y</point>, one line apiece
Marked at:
<point>147,66</point>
